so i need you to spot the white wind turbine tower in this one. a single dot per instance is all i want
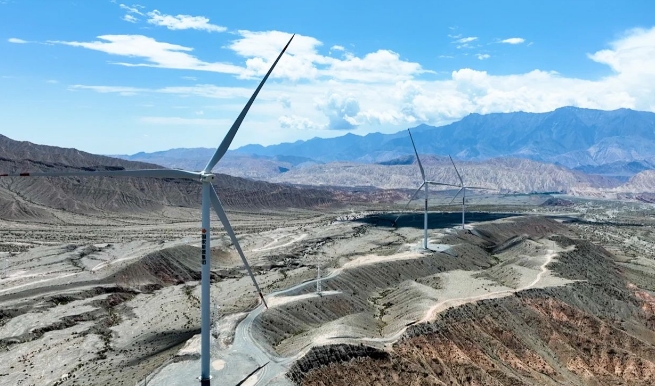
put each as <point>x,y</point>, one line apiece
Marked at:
<point>463,191</point>
<point>423,185</point>
<point>209,199</point>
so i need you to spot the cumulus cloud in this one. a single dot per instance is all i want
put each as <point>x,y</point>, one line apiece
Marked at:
<point>259,49</point>
<point>632,54</point>
<point>482,56</point>
<point>303,60</point>
<point>181,22</point>
<point>380,91</point>
<point>379,66</point>
<point>337,48</point>
<point>513,41</point>
<point>340,111</point>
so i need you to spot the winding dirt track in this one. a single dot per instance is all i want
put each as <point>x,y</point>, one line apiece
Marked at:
<point>276,366</point>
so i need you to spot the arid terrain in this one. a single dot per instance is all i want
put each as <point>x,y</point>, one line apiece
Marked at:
<point>540,290</point>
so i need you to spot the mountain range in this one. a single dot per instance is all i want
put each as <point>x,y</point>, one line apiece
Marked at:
<point>568,136</point>
<point>563,150</point>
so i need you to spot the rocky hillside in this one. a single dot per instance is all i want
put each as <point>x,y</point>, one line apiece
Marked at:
<point>595,331</point>
<point>234,164</point>
<point>507,175</point>
<point>30,197</point>
<point>642,182</point>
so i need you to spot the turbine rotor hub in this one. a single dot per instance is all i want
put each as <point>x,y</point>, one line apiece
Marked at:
<point>206,177</point>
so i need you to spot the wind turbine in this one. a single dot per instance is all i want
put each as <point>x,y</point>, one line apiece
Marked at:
<point>463,191</point>
<point>425,185</point>
<point>209,199</point>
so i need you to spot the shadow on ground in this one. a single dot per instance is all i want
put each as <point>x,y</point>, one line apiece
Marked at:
<point>436,220</point>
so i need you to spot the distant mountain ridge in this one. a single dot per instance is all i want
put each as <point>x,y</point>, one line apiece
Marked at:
<point>606,143</point>
<point>569,136</point>
<point>604,149</point>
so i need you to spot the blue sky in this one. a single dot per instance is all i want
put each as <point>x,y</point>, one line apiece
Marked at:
<point>112,77</point>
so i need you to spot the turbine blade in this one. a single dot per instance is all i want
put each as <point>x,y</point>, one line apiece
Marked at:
<point>442,184</point>
<point>218,208</point>
<point>157,173</point>
<point>222,148</point>
<point>415,152</point>
<point>479,187</point>
<point>456,171</point>
<point>410,200</point>
<point>455,196</point>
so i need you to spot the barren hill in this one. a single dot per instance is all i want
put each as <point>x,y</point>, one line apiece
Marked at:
<point>505,174</point>
<point>29,197</point>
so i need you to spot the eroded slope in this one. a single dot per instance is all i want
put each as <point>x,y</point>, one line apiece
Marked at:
<point>598,330</point>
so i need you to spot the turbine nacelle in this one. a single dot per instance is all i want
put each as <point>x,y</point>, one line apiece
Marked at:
<point>207,177</point>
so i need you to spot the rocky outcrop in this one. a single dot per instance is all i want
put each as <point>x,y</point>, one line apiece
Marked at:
<point>325,355</point>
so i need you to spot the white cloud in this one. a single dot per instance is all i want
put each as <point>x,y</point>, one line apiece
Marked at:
<point>200,112</point>
<point>285,100</point>
<point>379,91</point>
<point>341,111</point>
<point>259,49</point>
<point>156,54</point>
<point>482,56</point>
<point>208,91</point>
<point>513,41</point>
<point>52,81</point>
<point>632,54</point>
<point>179,121</point>
<point>193,78</point>
<point>182,22</point>
<point>129,18</point>
<point>135,8</point>
<point>297,123</point>
<point>337,48</point>
<point>203,90</point>
<point>379,66</point>
<point>466,40</point>
<point>125,91</point>
<point>304,62</point>
<point>17,41</point>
